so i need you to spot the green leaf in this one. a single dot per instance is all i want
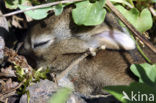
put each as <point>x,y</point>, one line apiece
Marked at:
<point>145,72</point>
<point>141,21</point>
<point>40,73</point>
<point>36,14</point>
<point>154,1</point>
<point>13,4</point>
<point>20,73</point>
<point>89,14</point>
<point>58,9</point>
<point>61,96</point>
<point>102,3</point>
<point>134,90</point>
<point>122,2</point>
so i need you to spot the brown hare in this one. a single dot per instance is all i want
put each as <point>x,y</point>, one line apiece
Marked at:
<point>56,41</point>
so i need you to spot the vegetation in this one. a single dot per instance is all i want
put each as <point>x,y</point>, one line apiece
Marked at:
<point>90,13</point>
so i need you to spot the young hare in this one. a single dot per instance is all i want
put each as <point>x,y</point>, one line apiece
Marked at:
<point>57,41</point>
<point>59,35</point>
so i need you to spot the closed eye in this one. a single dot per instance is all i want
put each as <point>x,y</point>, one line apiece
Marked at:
<point>40,44</point>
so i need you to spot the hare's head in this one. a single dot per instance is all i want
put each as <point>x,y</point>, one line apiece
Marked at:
<point>55,35</point>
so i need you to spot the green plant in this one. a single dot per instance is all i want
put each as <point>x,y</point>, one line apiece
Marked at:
<point>142,91</point>
<point>61,96</point>
<point>28,78</point>
<point>92,12</point>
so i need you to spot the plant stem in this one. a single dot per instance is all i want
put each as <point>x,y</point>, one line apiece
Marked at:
<point>131,2</point>
<point>140,50</point>
<point>39,6</point>
<point>130,26</point>
<point>142,53</point>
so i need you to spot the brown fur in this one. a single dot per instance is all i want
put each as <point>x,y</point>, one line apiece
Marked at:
<point>108,67</point>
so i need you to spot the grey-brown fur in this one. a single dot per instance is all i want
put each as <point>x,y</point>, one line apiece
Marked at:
<point>68,42</point>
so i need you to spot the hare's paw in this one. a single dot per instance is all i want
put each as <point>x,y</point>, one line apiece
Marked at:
<point>93,50</point>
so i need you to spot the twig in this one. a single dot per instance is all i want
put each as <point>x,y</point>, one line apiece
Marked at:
<point>39,6</point>
<point>6,75</point>
<point>130,26</point>
<point>5,94</point>
<point>6,100</point>
<point>66,71</point>
<point>152,11</point>
<point>4,97</point>
<point>98,96</point>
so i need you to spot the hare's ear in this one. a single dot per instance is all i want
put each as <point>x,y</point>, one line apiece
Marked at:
<point>114,39</point>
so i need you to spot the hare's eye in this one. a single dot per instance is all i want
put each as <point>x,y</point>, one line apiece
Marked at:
<point>40,44</point>
<point>42,41</point>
